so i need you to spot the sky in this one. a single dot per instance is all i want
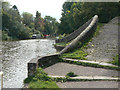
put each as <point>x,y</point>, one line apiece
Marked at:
<point>45,7</point>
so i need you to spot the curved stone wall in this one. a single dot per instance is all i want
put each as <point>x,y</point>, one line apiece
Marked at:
<point>41,62</point>
<point>86,33</point>
<point>59,48</point>
<point>74,34</point>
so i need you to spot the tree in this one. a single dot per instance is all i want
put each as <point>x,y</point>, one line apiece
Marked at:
<point>39,23</point>
<point>76,14</point>
<point>28,19</point>
<point>51,25</point>
<point>12,24</point>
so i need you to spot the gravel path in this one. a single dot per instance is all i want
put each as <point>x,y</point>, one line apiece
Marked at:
<point>105,43</point>
<point>61,69</point>
<point>89,84</point>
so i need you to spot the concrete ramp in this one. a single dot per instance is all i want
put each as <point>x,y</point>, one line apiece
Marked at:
<point>105,45</point>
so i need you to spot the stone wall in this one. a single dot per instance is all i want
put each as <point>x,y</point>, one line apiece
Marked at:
<point>85,34</point>
<point>41,62</point>
<point>32,66</point>
<point>48,60</point>
<point>74,34</point>
<point>52,59</point>
<point>59,47</point>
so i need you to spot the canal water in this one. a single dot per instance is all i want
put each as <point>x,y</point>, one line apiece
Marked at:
<point>17,54</point>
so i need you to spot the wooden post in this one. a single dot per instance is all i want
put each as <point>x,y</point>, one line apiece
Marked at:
<point>1,73</point>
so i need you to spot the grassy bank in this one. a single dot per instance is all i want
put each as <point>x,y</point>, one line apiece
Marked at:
<point>76,54</point>
<point>41,80</point>
<point>80,53</point>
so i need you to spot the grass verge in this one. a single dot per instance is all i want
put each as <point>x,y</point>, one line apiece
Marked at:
<point>41,80</point>
<point>77,54</point>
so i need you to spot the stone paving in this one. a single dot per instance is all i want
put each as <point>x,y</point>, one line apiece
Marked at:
<point>61,69</point>
<point>101,50</point>
<point>105,45</point>
<point>89,84</point>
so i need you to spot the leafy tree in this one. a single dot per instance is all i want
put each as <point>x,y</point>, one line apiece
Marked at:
<point>39,23</point>
<point>12,23</point>
<point>28,19</point>
<point>51,25</point>
<point>76,14</point>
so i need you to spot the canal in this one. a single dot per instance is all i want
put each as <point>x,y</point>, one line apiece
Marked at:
<point>16,55</point>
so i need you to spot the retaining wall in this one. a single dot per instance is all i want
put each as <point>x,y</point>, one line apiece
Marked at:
<point>74,34</point>
<point>41,62</point>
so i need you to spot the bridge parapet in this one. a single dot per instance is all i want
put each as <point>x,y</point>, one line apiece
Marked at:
<point>41,62</point>
<point>74,34</point>
<point>85,34</point>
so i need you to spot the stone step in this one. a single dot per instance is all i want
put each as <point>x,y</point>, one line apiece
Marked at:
<point>89,78</point>
<point>61,69</point>
<point>92,62</point>
<point>89,85</point>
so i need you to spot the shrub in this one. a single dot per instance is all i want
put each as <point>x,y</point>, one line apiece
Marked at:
<point>29,79</point>
<point>71,74</point>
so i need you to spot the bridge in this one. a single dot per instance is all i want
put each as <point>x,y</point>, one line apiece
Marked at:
<point>101,50</point>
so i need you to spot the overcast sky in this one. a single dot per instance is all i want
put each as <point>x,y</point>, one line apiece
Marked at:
<point>45,7</point>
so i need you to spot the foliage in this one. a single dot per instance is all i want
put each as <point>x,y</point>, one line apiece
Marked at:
<point>39,22</point>
<point>13,27</point>
<point>62,36</point>
<point>99,25</point>
<point>79,52</point>
<point>71,74</point>
<point>76,54</point>
<point>41,75</point>
<point>17,27</point>
<point>51,25</point>
<point>76,14</point>
<point>40,80</point>
<point>43,85</point>
<point>29,79</point>
<point>62,44</point>
<point>116,60</point>
<point>28,19</point>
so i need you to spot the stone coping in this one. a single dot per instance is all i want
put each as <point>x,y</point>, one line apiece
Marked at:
<point>92,62</point>
<point>82,35</point>
<point>35,60</point>
<point>88,77</point>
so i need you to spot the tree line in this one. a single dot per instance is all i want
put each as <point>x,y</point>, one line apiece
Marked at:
<point>17,27</point>
<point>74,14</point>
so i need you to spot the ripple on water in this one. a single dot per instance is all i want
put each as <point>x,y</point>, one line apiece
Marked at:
<point>17,54</point>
